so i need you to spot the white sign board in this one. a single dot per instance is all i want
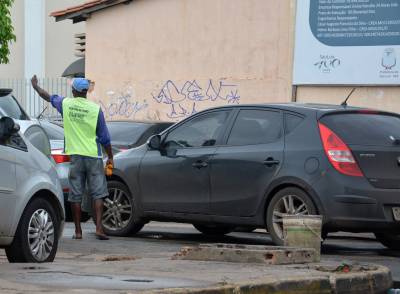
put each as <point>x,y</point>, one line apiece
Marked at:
<point>347,42</point>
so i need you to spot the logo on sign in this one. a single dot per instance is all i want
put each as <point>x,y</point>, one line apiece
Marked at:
<point>389,59</point>
<point>388,64</point>
<point>327,63</point>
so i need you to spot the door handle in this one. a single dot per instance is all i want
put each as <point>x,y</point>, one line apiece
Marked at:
<point>200,164</point>
<point>271,161</point>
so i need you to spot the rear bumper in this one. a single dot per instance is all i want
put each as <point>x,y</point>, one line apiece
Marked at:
<point>353,204</point>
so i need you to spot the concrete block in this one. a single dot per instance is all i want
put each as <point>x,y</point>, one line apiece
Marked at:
<point>247,254</point>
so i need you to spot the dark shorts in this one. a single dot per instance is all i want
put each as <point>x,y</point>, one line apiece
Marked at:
<point>86,171</point>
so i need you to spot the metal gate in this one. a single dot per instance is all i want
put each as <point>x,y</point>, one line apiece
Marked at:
<point>30,100</point>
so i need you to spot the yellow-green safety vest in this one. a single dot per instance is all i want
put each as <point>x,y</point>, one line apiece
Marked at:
<point>80,122</point>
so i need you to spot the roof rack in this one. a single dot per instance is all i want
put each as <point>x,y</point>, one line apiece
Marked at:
<point>5,92</point>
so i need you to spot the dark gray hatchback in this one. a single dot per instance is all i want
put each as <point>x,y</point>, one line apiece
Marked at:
<point>249,165</point>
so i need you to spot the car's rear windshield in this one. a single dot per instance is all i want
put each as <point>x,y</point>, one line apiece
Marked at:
<point>364,128</point>
<point>126,133</point>
<point>10,107</point>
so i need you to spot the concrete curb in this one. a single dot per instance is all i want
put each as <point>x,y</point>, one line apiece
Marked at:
<point>378,280</point>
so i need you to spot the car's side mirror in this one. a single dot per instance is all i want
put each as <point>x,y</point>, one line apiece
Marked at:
<point>7,127</point>
<point>154,142</point>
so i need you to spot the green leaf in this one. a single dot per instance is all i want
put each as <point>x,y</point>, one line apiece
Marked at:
<point>6,30</point>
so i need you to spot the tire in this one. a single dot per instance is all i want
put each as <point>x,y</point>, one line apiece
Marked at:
<point>299,197</point>
<point>40,219</point>
<point>391,241</point>
<point>119,205</point>
<point>214,230</point>
<point>245,229</point>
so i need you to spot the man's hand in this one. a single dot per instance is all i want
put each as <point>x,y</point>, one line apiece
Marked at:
<point>42,93</point>
<point>109,167</point>
<point>110,161</point>
<point>34,81</point>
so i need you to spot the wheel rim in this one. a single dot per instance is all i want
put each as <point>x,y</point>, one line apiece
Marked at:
<point>289,204</point>
<point>118,210</point>
<point>41,235</point>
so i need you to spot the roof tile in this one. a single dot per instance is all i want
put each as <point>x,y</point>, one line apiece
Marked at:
<point>83,6</point>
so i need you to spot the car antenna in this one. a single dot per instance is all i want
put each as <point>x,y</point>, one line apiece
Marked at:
<point>344,103</point>
<point>41,114</point>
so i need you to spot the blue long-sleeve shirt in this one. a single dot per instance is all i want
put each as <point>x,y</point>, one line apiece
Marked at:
<point>103,136</point>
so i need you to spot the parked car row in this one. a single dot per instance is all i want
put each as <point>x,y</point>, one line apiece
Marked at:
<point>244,166</point>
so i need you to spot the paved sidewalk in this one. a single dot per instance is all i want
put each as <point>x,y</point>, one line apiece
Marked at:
<point>130,265</point>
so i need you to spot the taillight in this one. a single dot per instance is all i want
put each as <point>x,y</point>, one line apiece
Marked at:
<point>338,153</point>
<point>59,156</point>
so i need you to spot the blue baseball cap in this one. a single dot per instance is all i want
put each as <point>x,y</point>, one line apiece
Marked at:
<point>80,84</point>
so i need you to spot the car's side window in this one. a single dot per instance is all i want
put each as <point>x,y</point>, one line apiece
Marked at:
<point>254,126</point>
<point>201,131</point>
<point>16,142</point>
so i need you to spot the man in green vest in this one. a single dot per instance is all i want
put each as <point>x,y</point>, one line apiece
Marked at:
<point>85,131</point>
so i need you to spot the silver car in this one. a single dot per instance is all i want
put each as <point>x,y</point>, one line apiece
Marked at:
<point>31,199</point>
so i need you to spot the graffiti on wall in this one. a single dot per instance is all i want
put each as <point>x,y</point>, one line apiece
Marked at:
<point>122,104</point>
<point>184,99</point>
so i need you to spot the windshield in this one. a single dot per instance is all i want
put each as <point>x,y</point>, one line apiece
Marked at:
<point>126,133</point>
<point>10,107</point>
<point>364,129</point>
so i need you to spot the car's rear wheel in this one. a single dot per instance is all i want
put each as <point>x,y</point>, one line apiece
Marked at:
<point>36,238</point>
<point>214,230</point>
<point>390,240</point>
<point>119,211</point>
<point>292,201</point>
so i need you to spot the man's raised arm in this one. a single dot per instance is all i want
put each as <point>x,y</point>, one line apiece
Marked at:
<point>42,93</point>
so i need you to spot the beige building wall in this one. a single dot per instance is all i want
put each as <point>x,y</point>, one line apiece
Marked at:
<point>384,98</point>
<point>157,59</point>
<point>15,69</point>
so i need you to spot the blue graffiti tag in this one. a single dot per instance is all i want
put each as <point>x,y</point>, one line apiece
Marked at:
<point>123,106</point>
<point>184,100</point>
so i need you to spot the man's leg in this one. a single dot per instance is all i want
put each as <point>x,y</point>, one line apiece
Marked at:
<point>98,205</point>
<point>76,216</point>
<point>97,185</point>
<point>77,182</point>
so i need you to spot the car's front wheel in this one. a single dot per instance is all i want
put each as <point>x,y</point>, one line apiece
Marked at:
<point>36,238</point>
<point>119,211</point>
<point>390,240</point>
<point>292,201</point>
<point>214,230</point>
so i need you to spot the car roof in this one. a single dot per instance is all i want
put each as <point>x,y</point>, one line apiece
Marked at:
<point>303,108</point>
<point>140,121</point>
